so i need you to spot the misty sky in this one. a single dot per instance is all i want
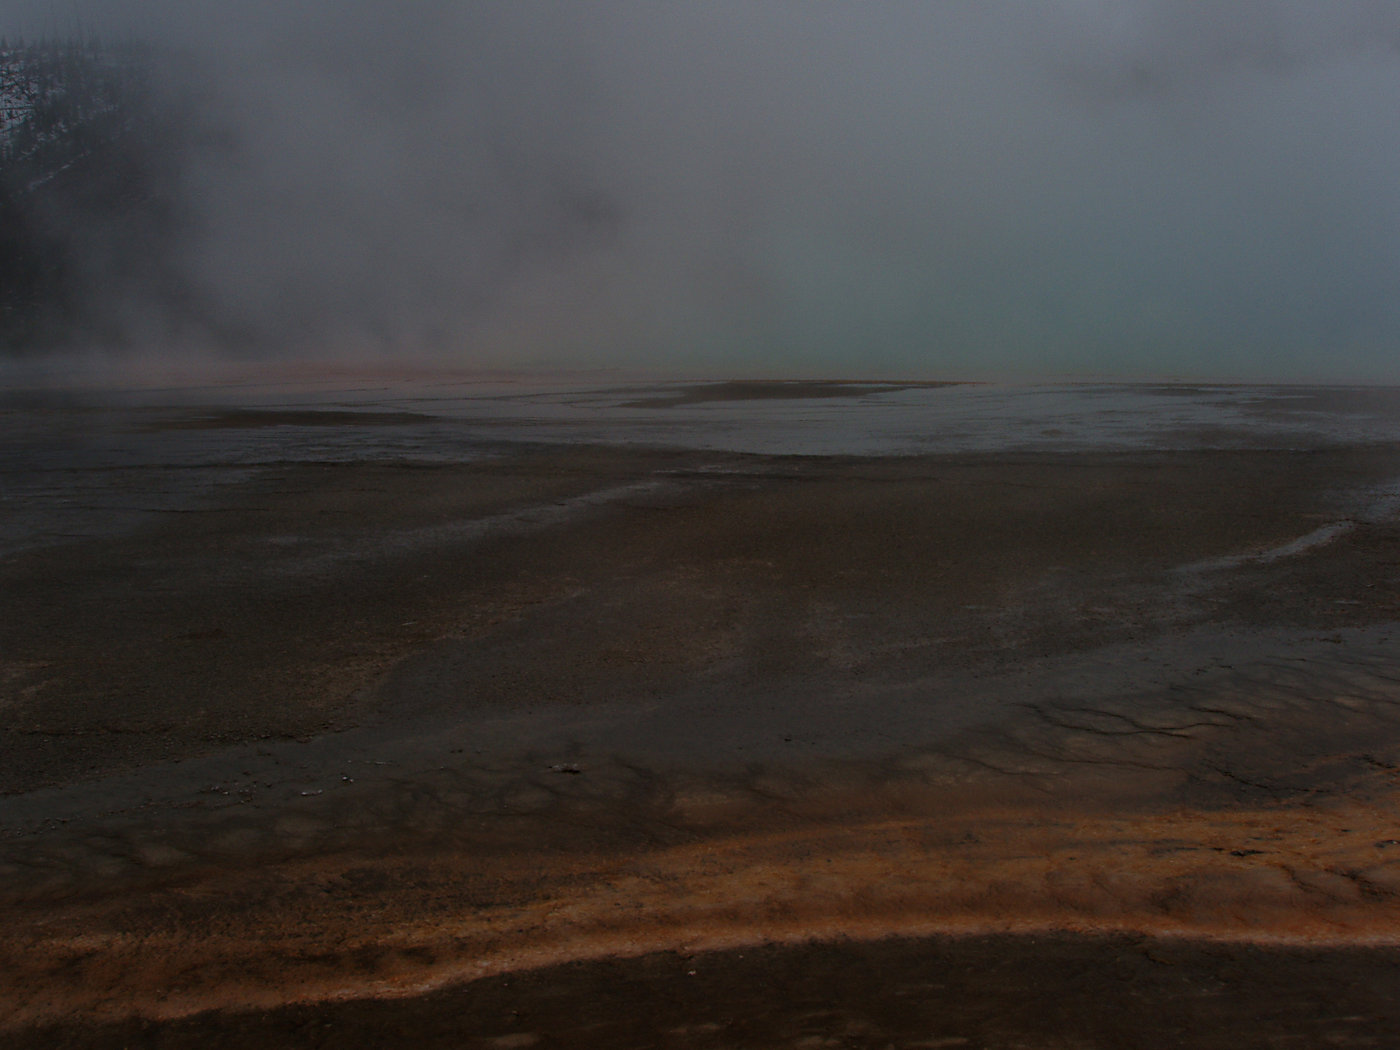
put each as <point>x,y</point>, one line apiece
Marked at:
<point>1144,187</point>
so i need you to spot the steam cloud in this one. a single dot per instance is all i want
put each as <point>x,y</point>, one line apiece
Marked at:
<point>1131,187</point>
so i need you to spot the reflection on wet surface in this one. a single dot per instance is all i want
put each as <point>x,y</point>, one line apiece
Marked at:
<point>82,463</point>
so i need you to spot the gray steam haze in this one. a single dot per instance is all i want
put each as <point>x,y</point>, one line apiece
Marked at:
<point>1142,187</point>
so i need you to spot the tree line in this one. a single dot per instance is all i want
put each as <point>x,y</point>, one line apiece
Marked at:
<point>80,182</point>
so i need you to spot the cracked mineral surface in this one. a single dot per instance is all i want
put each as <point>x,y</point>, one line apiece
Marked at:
<point>329,722</point>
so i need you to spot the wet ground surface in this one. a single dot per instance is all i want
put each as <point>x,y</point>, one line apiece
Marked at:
<point>980,994</point>
<point>348,712</point>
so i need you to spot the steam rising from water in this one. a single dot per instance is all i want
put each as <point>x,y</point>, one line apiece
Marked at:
<point>1142,187</point>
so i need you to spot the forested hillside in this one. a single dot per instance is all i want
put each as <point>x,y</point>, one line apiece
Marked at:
<point>85,165</point>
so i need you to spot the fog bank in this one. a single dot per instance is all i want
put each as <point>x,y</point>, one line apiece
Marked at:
<point>1133,188</point>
